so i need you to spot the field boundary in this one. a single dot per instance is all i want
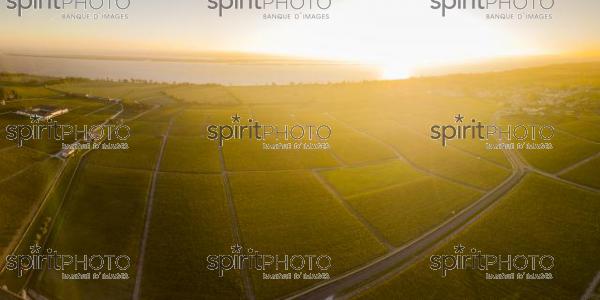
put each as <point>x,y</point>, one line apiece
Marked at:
<point>336,195</point>
<point>23,170</point>
<point>555,177</point>
<point>419,245</point>
<point>137,290</point>
<point>591,290</point>
<point>403,158</point>
<point>576,136</point>
<point>577,164</point>
<point>22,232</point>
<point>235,230</point>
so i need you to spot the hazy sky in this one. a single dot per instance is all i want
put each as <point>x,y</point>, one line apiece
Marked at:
<point>397,33</point>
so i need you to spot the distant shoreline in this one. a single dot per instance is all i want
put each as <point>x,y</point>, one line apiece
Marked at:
<point>214,60</point>
<point>226,70</point>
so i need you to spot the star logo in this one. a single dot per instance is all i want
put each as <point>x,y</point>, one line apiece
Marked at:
<point>35,118</point>
<point>236,118</point>
<point>35,249</point>
<point>236,249</point>
<point>459,248</point>
<point>459,118</point>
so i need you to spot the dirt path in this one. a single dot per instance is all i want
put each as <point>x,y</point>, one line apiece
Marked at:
<point>149,205</point>
<point>402,257</point>
<point>401,157</point>
<point>575,165</point>
<point>16,243</point>
<point>555,177</point>
<point>235,228</point>
<point>591,290</point>
<point>374,231</point>
<point>389,265</point>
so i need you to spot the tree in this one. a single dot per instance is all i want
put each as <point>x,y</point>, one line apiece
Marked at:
<point>6,94</point>
<point>3,93</point>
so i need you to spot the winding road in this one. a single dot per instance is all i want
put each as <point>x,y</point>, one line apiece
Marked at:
<point>402,256</point>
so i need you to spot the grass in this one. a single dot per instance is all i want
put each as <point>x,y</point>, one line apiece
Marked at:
<point>202,94</point>
<point>38,230</point>
<point>103,215</point>
<point>583,129</point>
<point>193,155</point>
<point>19,196</point>
<point>13,160</point>
<point>354,148</point>
<point>540,216</point>
<point>31,91</point>
<point>477,148</point>
<point>24,78</point>
<point>406,211</point>
<point>271,208</point>
<point>586,174</point>
<point>249,156</point>
<point>147,128</point>
<point>189,223</point>
<point>142,154</point>
<point>356,180</point>
<point>433,157</point>
<point>128,92</point>
<point>281,206</point>
<point>567,151</point>
<point>191,123</point>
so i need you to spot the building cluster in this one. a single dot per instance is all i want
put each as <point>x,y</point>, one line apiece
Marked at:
<point>43,112</point>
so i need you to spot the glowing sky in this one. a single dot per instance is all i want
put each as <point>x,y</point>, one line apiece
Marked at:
<point>397,34</point>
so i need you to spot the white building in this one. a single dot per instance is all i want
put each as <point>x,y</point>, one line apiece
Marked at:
<point>66,153</point>
<point>43,112</point>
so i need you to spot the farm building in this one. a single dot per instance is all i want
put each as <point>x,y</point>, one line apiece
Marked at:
<point>43,112</point>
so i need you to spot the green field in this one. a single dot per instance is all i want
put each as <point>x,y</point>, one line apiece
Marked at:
<point>190,155</point>
<point>270,208</point>
<point>191,220</point>
<point>586,174</point>
<point>365,179</point>
<point>583,129</point>
<point>405,211</point>
<point>354,148</point>
<point>382,183</point>
<point>18,199</point>
<point>249,156</point>
<point>207,94</point>
<point>16,159</point>
<point>477,148</point>
<point>126,91</point>
<point>540,216</point>
<point>567,151</point>
<point>142,154</point>
<point>104,215</point>
<point>431,156</point>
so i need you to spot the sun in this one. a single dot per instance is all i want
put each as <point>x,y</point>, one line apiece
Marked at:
<point>392,72</point>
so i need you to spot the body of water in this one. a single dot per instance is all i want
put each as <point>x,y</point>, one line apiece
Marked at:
<point>193,72</point>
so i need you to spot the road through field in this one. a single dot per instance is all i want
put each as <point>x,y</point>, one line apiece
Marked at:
<point>403,158</point>
<point>401,257</point>
<point>235,229</point>
<point>15,243</point>
<point>67,190</point>
<point>589,293</point>
<point>555,177</point>
<point>577,136</point>
<point>376,233</point>
<point>574,166</point>
<point>140,263</point>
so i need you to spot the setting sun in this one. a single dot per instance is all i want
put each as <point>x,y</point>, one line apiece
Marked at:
<point>391,72</point>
